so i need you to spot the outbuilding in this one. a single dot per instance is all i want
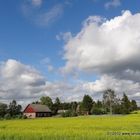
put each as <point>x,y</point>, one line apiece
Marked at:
<point>37,110</point>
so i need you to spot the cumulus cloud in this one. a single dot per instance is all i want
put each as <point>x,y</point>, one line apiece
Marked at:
<point>131,88</point>
<point>109,49</point>
<point>19,81</point>
<point>25,84</point>
<point>113,3</point>
<point>105,46</point>
<point>75,92</point>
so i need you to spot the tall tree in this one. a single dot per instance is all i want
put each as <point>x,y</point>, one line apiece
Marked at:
<point>97,108</point>
<point>14,109</point>
<point>109,98</point>
<point>117,106</point>
<point>87,104</point>
<point>46,101</point>
<point>3,109</point>
<point>79,108</point>
<point>126,105</point>
<point>57,102</point>
<point>134,105</point>
<point>56,106</point>
<point>99,104</point>
<point>74,106</point>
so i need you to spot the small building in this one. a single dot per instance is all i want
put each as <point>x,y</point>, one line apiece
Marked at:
<point>37,110</point>
<point>61,111</point>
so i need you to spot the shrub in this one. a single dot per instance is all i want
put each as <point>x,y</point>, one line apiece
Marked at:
<point>66,114</point>
<point>74,114</point>
<point>19,116</point>
<point>24,117</point>
<point>69,113</point>
<point>98,111</point>
<point>7,116</point>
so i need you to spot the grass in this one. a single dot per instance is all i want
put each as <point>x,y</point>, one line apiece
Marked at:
<point>78,128</point>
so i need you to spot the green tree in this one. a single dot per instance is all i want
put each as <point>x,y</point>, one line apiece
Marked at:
<point>56,106</point>
<point>117,107</point>
<point>58,102</point>
<point>97,108</point>
<point>79,108</point>
<point>74,106</point>
<point>99,104</point>
<point>65,106</point>
<point>125,104</point>
<point>46,101</point>
<point>134,105</point>
<point>109,99</point>
<point>3,109</point>
<point>87,104</point>
<point>14,109</point>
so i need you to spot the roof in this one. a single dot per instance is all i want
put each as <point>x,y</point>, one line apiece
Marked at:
<point>38,108</point>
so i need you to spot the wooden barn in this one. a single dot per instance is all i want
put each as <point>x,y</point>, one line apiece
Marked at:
<point>37,110</point>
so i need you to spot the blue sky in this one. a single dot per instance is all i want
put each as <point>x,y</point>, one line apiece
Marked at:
<point>22,39</point>
<point>35,32</point>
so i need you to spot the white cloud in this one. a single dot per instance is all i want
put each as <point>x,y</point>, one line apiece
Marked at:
<point>113,3</point>
<point>19,81</point>
<point>119,85</point>
<point>36,2</point>
<point>25,84</point>
<point>64,36</point>
<point>131,88</point>
<point>110,49</point>
<point>46,18</point>
<point>47,63</point>
<point>105,46</point>
<point>34,11</point>
<point>50,68</point>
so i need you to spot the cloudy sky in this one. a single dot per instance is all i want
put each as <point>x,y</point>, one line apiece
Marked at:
<point>68,48</point>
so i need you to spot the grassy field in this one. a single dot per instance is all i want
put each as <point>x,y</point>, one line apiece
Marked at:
<point>78,128</point>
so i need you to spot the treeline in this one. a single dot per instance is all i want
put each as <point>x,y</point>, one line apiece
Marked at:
<point>110,104</point>
<point>13,110</point>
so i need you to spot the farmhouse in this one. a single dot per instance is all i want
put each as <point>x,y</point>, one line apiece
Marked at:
<point>37,110</point>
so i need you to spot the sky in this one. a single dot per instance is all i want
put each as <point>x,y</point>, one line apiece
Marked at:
<point>69,48</point>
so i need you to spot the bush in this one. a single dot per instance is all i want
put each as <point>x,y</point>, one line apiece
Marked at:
<point>19,116</point>
<point>134,112</point>
<point>73,114</point>
<point>69,113</point>
<point>7,116</point>
<point>98,111</point>
<point>24,117</point>
<point>66,114</point>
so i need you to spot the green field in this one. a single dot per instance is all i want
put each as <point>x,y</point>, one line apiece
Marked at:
<point>78,128</point>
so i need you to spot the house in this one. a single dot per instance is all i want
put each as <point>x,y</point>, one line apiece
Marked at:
<point>37,110</point>
<point>61,111</point>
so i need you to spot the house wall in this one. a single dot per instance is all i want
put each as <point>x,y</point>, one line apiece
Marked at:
<point>43,114</point>
<point>30,115</point>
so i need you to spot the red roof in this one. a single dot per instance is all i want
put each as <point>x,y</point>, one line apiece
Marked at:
<point>32,108</point>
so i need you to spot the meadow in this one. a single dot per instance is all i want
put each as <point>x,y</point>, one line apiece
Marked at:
<point>106,127</point>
